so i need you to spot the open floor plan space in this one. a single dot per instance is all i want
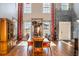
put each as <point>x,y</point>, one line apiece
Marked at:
<point>39,29</point>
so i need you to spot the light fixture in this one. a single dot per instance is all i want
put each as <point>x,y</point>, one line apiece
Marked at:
<point>77,21</point>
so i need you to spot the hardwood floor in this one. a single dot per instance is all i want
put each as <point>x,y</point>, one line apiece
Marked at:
<point>19,50</point>
<point>62,49</point>
<point>58,48</point>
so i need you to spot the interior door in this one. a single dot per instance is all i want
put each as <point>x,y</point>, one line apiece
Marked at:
<point>64,30</point>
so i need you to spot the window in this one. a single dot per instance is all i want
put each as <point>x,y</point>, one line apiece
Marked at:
<point>27,28</point>
<point>64,6</point>
<point>46,28</point>
<point>58,6</point>
<point>27,8</point>
<point>46,8</point>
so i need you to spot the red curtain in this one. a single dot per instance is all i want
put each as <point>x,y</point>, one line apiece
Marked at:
<point>20,18</point>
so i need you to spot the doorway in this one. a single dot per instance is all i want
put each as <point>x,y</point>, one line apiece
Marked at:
<point>64,30</point>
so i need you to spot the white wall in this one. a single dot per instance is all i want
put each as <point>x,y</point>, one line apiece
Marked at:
<point>76,9</point>
<point>37,12</point>
<point>8,10</point>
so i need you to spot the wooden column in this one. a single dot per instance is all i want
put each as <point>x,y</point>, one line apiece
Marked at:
<point>20,18</point>
<point>52,17</point>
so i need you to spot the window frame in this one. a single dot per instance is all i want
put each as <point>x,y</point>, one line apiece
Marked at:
<point>27,8</point>
<point>64,6</point>
<point>46,7</point>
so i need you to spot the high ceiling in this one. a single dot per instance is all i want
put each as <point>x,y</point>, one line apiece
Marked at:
<point>9,10</point>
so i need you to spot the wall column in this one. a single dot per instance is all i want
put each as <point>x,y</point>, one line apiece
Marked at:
<point>52,18</point>
<point>20,18</point>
